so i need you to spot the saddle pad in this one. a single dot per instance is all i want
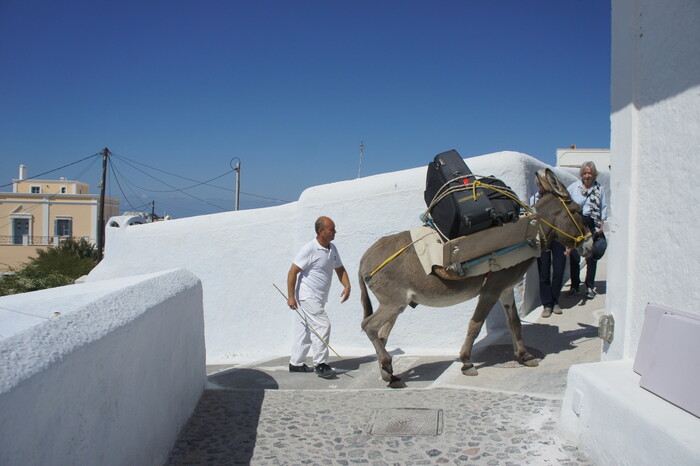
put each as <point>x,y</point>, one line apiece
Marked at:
<point>428,246</point>
<point>432,251</point>
<point>481,243</point>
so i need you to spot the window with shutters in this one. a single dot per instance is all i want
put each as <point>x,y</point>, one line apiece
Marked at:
<point>63,227</point>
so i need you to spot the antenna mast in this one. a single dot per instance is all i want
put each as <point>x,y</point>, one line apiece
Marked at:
<point>362,151</point>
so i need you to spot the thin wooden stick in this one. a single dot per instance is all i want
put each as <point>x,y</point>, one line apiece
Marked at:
<point>309,325</point>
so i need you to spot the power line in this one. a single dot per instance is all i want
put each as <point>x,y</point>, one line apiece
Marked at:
<point>176,189</point>
<point>114,174</point>
<point>123,182</point>
<point>51,171</point>
<point>199,183</point>
<point>50,197</point>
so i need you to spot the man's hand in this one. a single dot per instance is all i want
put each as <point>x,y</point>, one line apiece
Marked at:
<point>345,280</point>
<point>345,294</point>
<point>291,285</point>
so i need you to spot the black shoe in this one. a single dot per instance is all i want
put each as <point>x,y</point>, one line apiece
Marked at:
<point>302,368</point>
<point>573,291</point>
<point>590,294</point>
<point>325,371</point>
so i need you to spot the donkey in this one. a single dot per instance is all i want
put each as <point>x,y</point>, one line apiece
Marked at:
<point>402,282</point>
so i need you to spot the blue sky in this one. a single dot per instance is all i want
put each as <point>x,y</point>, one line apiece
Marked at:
<point>290,88</point>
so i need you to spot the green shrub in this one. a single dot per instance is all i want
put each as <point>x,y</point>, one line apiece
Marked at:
<point>54,266</point>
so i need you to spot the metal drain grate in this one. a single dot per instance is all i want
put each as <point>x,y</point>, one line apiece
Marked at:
<point>406,421</point>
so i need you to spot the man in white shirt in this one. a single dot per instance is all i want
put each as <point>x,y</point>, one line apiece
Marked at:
<point>308,284</point>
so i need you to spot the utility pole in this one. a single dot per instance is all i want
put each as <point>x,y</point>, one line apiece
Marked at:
<point>362,151</point>
<point>101,215</point>
<point>237,169</point>
<point>153,211</point>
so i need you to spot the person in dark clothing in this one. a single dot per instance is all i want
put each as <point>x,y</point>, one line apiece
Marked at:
<point>550,265</point>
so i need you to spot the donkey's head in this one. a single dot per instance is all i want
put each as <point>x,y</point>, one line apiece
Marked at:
<point>561,218</point>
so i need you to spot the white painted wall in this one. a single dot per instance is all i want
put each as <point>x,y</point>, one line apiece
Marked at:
<point>109,381</point>
<point>655,144</point>
<point>655,124</point>
<point>239,255</point>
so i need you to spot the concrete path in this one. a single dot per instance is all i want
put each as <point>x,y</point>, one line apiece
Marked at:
<point>507,415</point>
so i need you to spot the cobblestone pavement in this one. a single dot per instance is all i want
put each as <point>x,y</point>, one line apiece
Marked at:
<point>261,414</point>
<point>454,426</point>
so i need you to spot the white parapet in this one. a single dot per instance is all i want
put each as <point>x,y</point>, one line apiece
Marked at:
<point>240,255</point>
<point>101,373</point>
<point>616,422</point>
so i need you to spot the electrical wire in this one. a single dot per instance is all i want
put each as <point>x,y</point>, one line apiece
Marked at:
<point>198,183</point>
<point>114,174</point>
<point>51,171</point>
<point>124,182</point>
<point>176,189</point>
<point>51,196</point>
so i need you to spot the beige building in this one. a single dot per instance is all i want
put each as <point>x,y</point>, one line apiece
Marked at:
<point>40,213</point>
<point>574,158</point>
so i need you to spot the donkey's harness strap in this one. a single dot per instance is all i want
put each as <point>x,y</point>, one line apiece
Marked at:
<point>391,258</point>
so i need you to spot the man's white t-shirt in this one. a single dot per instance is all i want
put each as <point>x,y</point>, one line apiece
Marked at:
<point>317,265</point>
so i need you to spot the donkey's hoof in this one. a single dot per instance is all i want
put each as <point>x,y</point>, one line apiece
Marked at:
<point>534,362</point>
<point>529,360</point>
<point>469,369</point>
<point>386,375</point>
<point>396,382</point>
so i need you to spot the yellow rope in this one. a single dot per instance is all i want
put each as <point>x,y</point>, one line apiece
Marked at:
<point>392,257</point>
<point>506,193</point>
<point>577,239</point>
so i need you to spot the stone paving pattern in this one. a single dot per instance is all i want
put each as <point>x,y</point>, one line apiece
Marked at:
<point>507,415</point>
<point>286,427</point>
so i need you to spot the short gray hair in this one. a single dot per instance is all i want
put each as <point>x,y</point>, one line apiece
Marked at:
<point>590,165</point>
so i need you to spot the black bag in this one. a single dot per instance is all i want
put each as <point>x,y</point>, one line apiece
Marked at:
<point>600,244</point>
<point>458,213</point>
<point>505,208</point>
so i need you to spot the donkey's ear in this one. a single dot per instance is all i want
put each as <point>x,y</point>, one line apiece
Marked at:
<point>557,187</point>
<point>542,178</point>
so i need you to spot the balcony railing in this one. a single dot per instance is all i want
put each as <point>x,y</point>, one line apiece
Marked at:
<point>26,240</point>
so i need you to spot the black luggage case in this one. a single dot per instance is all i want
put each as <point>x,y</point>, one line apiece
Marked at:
<point>505,208</point>
<point>458,214</point>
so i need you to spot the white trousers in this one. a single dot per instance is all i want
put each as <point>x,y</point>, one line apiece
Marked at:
<point>305,338</point>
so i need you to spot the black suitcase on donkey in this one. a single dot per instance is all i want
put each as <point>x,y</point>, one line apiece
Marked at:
<point>505,208</point>
<point>458,213</point>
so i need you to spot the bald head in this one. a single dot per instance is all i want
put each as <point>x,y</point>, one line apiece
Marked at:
<point>325,230</point>
<point>321,222</point>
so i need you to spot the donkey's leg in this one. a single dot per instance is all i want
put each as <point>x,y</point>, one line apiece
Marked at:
<point>515,327</point>
<point>376,325</point>
<point>385,330</point>
<point>487,299</point>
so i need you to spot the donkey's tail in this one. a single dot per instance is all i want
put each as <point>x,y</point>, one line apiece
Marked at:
<point>364,297</point>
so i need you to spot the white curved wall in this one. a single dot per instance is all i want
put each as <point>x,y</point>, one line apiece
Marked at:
<point>109,381</point>
<point>239,255</point>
